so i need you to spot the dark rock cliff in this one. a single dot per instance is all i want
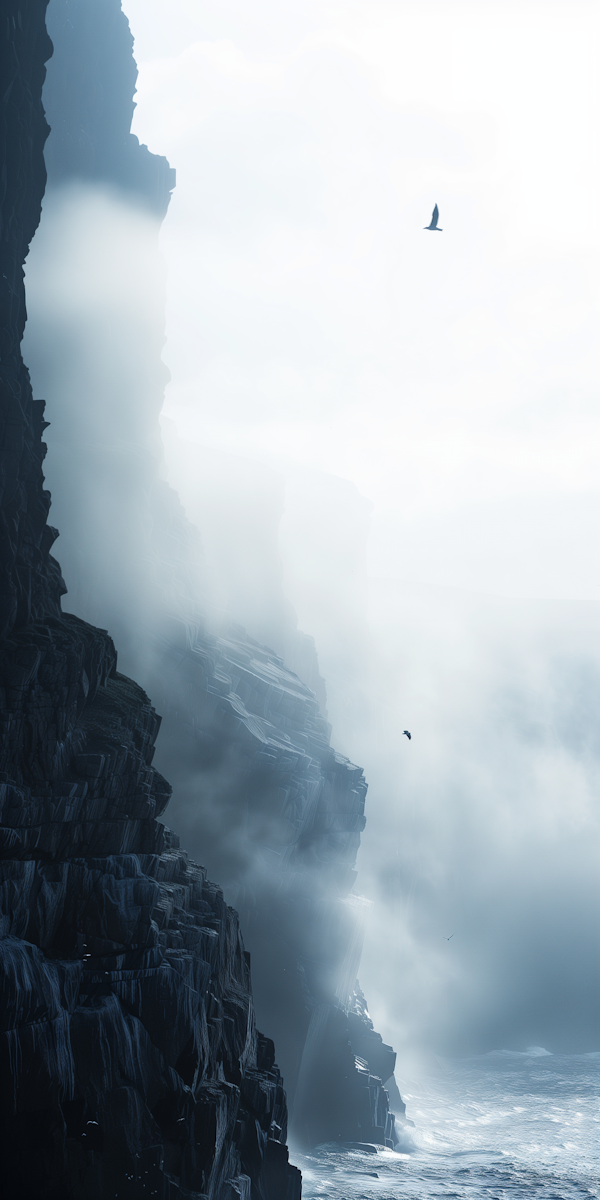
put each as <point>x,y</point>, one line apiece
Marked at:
<point>30,581</point>
<point>130,1060</point>
<point>260,795</point>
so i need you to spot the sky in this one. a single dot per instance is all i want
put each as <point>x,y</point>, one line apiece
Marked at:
<point>415,418</point>
<point>450,378</point>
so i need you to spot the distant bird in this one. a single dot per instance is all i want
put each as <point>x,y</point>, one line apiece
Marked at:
<point>406,733</point>
<point>435,216</point>
<point>448,939</point>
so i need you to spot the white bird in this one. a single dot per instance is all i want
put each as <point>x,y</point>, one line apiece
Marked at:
<point>435,216</point>
<point>448,939</point>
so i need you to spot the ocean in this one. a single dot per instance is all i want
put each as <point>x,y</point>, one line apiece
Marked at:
<point>501,1126</point>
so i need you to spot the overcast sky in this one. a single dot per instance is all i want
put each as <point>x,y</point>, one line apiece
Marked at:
<point>441,386</point>
<point>452,377</point>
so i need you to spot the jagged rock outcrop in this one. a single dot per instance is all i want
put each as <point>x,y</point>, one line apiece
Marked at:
<point>260,796</point>
<point>285,833</point>
<point>130,1057</point>
<point>130,1064</point>
<point>30,580</point>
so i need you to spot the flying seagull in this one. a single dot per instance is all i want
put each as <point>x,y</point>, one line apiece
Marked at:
<point>435,216</point>
<point>448,939</point>
<point>406,733</point>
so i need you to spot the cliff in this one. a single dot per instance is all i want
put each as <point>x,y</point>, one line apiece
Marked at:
<point>130,1043</point>
<point>131,1064</point>
<point>30,580</point>
<point>260,796</point>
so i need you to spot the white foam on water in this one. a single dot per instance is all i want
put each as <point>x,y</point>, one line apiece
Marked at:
<point>505,1126</point>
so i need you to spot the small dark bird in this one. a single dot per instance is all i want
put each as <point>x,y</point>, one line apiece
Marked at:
<point>435,216</point>
<point>406,733</point>
<point>448,939</point>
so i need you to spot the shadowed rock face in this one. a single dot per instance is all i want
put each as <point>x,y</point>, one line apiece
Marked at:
<point>130,1061</point>
<point>30,580</point>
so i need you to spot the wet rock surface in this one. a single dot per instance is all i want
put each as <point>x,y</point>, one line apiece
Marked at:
<point>130,1060</point>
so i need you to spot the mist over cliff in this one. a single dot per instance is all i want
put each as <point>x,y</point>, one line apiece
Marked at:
<point>487,820</point>
<point>423,411</point>
<point>260,795</point>
<point>130,1059</point>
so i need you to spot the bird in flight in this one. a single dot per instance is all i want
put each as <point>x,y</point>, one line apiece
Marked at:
<point>435,216</point>
<point>448,939</point>
<point>406,733</point>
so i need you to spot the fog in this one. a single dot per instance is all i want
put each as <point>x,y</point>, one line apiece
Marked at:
<point>450,378</point>
<point>392,435</point>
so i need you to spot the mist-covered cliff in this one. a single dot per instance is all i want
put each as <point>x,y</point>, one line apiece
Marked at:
<point>130,1044</point>
<point>130,1060</point>
<point>259,793</point>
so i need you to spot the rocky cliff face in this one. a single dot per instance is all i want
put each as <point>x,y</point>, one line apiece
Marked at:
<point>285,833</point>
<point>260,795</point>
<point>30,581</point>
<point>131,1064</point>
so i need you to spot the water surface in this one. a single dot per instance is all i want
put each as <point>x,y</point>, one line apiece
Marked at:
<point>503,1126</point>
